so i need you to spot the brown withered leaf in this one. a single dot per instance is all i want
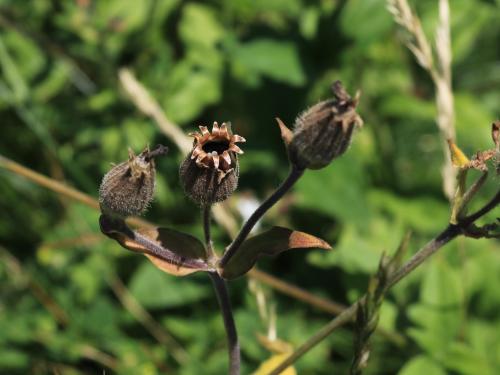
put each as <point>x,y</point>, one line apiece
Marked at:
<point>271,242</point>
<point>171,251</point>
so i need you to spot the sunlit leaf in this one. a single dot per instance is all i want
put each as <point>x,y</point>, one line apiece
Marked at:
<point>271,58</point>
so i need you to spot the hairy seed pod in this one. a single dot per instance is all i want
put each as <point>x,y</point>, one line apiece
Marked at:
<point>324,131</point>
<point>128,188</point>
<point>210,172</point>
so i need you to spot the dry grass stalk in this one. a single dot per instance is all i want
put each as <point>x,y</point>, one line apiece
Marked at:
<point>438,69</point>
<point>143,100</point>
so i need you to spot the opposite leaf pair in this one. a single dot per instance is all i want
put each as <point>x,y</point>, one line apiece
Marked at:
<point>181,254</point>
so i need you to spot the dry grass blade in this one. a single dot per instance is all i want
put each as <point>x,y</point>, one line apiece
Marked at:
<point>439,71</point>
<point>142,315</point>
<point>150,107</point>
<point>60,188</point>
<point>17,272</point>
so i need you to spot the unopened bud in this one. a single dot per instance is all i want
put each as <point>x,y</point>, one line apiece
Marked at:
<point>210,172</point>
<point>128,188</point>
<point>324,131</point>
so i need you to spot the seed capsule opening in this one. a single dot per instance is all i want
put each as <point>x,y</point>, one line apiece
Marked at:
<point>210,172</point>
<point>218,146</point>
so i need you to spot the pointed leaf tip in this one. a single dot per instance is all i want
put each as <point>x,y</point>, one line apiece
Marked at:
<point>271,242</point>
<point>458,158</point>
<point>286,133</point>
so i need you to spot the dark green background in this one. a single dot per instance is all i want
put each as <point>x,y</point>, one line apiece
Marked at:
<point>64,114</point>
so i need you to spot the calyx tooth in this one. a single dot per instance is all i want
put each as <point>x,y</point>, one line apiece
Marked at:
<point>216,160</point>
<point>226,157</point>
<point>236,149</point>
<point>215,129</point>
<point>223,130</point>
<point>204,130</point>
<point>238,138</point>
<point>196,152</point>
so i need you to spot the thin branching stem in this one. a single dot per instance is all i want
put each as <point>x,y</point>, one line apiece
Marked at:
<point>293,176</point>
<point>451,232</point>
<point>227,315</point>
<point>220,288</point>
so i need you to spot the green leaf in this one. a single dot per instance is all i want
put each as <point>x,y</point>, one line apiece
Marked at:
<point>337,190</point>
<point>439,314</point>
<point>413,213</point>
<point>465,360</point>
<point>359,249</point>
<point>269,58</point>
<point>199,26</point>
<point>13,359</point>
<point>191,88</point>
<point>366,20</point>
<point>155,290</point>
<point>271,242</point>
<point>422,365</point>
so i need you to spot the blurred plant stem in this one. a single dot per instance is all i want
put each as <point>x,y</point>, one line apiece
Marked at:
<point>144,317</point>
<point>272,281</point>
<point>17,273</point>
<point>439,71</point>
<point>450,233</point>
<point>150,107</point>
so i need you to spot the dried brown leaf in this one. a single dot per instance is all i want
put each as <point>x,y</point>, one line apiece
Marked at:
<point>271,242</point>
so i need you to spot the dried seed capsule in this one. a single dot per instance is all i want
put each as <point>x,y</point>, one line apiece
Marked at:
<point>210,172</point>
<point>128,188</point>
<point>324,131</point>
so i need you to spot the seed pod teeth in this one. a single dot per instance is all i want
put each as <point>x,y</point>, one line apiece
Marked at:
<point>238,138</point>
<point>226,158</point>
<point>215,158</point>
<point>236,149</point>
<point>215,129</point>
<point>223,131</point>
<point>212,164</point>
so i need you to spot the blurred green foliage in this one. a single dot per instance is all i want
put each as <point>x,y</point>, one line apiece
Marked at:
<point>64,114</point>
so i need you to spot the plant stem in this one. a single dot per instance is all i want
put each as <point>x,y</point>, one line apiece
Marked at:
<point>292,178</point>
<point>425,252</point>
<point>227,315</point>
<point>451,232</point>
<point>206,211</point>
<point>319,336</point>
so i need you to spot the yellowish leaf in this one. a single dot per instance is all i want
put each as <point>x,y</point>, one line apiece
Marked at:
<point>458,158</point>
<point>266,367</point>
